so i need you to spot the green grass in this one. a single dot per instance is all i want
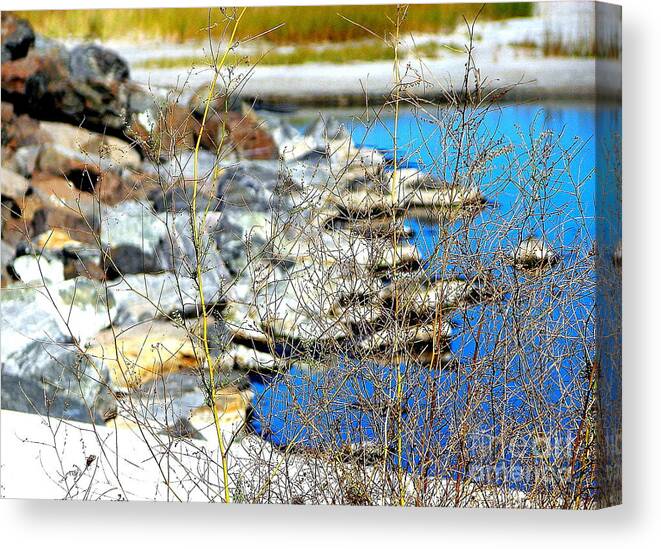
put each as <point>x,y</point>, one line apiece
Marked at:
<point>345,53</point>
<point>301,24</point>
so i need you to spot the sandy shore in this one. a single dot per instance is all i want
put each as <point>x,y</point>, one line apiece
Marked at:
<point>532,78</point>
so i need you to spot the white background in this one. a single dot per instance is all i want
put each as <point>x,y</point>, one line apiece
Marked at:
<point>100,525</point>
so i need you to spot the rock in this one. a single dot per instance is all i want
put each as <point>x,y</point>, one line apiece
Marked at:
<point>126,259</point>
<point>534,254</point>
<point>48,203</point>
<point>232,406</point>
<point>214,136</point>
<point>617,257</point>
<point>356,253</point>
<point>180,166</point>
<point>12,185</point>
<point>324,131</point>
<point>283,135</point>
<point>78,258</point>
<point>17,131</point>
<point>220,101</point>
<point>176,406</point>
<point>179,198</point>
<point>56,204</point>
<point>18,207</point>
<point>294,326</point>
<point>178,252</point>
<point>96,147</point>
<point>71,310</point>
<point>407,337</point>
<point>252,360</point>
<point>56,240</point>
<point>83,262</point>
<point>56,381</point>
<point>240,234</point>
<point>421,297</point>
<point>143,297</point>
<point>249,192</point>
<point>247,137</point>
<point>92,63</point>
<point>24,160</point>
<point>7,253</point>
<point>233,123</point>
<point>40,85</point>
<point>250,185</point>
<point>17,37</point>
<point>92,175</point>
<point>372,203</point>
<point>87,86</point>
<point>145,352</point>
<point>140,241</point>
<point>327,143</point>
<point>31,269</point>
<point>174,128</point>
<point>132,234</point>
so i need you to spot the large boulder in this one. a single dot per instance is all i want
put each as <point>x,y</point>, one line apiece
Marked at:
<point>144,297</point>
<point>88,85</point>
<point>241,234</point>
<point>66,384</point>
<point>146,351</point>
<point>132,233</point>
<point>71,311</point>
<point>44,330</point>
<point>94,64</point>
<point>256,186</point>
<point>17,37</point>
<point>108,152</point>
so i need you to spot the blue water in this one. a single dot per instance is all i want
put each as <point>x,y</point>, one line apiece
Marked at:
<point>531,395</point>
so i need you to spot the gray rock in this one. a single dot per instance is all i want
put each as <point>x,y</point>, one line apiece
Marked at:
<point>74,310</point>
<point>252,185</point>
<point>7,253</point>
<point>54,380</point>
<point>534,254</point>
<point>24,161</point>
<point>171,402</point>
<point>17,37</point>
<point>180,199</point>
<point>241,233</point>
<point>141,241</point>
<point>42,331</point>
<point>93,63</point>
<point>132,233</point>
<point>143,297</point>
<point>323,130</point>
<point>177,248</point>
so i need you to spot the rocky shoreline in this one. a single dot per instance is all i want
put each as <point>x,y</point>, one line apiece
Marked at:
<point>129,260</point>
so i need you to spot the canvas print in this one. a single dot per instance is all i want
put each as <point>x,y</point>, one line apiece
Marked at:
<point>343,255</point>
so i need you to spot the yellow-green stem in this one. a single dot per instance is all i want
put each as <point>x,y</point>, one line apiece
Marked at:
<point>198,250</point>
